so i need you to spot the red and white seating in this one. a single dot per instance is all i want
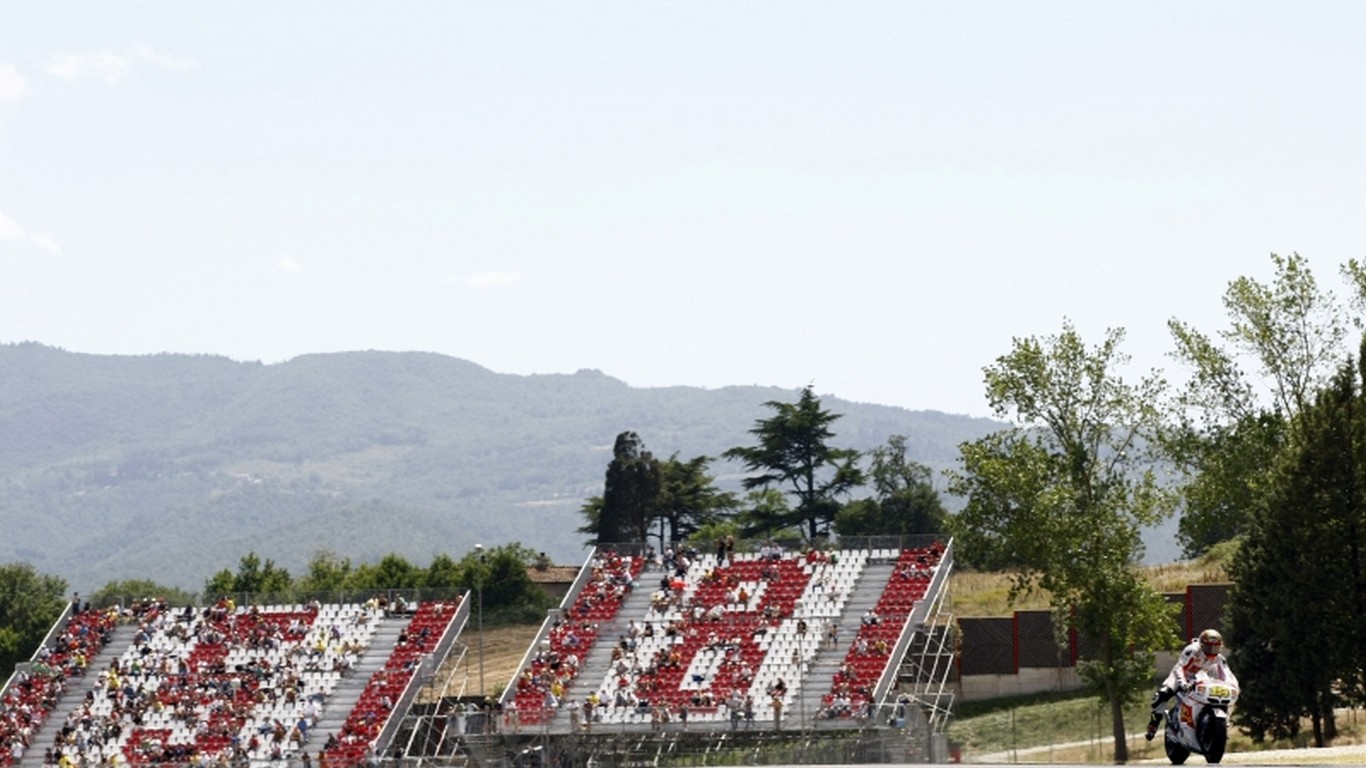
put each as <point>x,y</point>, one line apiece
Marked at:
<point>541,687</point>
<point>869,652</point>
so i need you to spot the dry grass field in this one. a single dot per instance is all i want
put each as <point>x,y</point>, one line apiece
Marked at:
<point>503,650</point>
<point>974,593</point>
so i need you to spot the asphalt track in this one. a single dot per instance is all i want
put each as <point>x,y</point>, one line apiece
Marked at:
<point>1334,756</point>
<point>1354,754</point>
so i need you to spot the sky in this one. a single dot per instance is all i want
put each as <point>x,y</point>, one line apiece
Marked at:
<point>874,199</point>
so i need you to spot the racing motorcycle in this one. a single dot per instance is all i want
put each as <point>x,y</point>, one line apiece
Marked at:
<point>1198,722</point>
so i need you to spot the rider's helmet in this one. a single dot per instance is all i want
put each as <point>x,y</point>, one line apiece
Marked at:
<point>1211,642</point>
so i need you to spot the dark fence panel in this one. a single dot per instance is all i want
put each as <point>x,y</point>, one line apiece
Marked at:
<point>1037,642</point>
<point>1001,646</point>
<point>988,647</point>
<point>1205,608</point>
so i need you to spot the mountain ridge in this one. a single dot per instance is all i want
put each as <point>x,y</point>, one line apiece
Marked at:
<point>121,467</point>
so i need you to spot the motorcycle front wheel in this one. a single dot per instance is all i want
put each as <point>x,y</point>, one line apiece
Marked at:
<point>1216,739</point>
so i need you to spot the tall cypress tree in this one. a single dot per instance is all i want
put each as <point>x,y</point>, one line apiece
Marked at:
<point>630,492</point>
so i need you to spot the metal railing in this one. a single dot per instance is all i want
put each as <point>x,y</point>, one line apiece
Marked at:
<point>914,621</point>
<point>425,673</point>
<point>553,615</point>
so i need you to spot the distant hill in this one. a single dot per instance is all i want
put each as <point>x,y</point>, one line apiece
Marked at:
<point>171,467</point>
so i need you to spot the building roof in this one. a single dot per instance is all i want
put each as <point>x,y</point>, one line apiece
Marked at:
<point>555,574</point>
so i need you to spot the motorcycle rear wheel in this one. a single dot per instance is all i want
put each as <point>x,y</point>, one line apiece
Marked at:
<point>1176,753</point>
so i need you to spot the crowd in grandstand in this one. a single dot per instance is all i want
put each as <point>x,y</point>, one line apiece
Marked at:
<point>35,692</point>
<point>851,690</point>
<point>386,686</point>
<point>219,683</point>
<point>723,631</point>
<point>542,686</point>
<point>725,637</point>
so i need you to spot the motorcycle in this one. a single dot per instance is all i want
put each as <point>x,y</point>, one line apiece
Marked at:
<point>1198,722</point>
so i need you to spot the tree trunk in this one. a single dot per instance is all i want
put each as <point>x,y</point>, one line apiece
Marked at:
<point>1117,723</point>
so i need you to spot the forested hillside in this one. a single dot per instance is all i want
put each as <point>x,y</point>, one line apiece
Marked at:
<point>172,467</point>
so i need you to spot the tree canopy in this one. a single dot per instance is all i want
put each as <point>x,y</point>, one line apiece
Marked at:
<point>905,501</point>
<point>29,604</point>
<point>794,454</point>
<point>689,500</point>
<point>1229,422</point>
<point>630,494</point>
<point>253,576</point>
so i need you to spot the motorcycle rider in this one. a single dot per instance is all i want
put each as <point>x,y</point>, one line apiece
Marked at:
<point>1202,654</point>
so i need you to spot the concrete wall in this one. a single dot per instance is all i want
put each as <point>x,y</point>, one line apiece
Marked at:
<point>1029,680</point>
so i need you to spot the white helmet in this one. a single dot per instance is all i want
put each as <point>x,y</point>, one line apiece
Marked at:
<point>1211,642</point>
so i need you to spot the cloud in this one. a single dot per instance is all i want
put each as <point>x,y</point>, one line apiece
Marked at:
<point>113,67</point>
<point>47,243</point>
<point>288,264</point>
<point>483,279</point>
<point>145,53</point>
<point>9,228</point>
<point>12,84</point>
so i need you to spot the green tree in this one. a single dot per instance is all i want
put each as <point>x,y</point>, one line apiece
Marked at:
<point>327,572</point>
<point>707,534</point>
<point>391,572</point>
<point>442,573</point>
<point>1228,424</point>
<point>1308,653</point>
<point>630,495</point>
<point>794,454</point>
<point>766,512</point>
<point>592,515</point>
<point>1226,473</point>
<point>906,501</point>
<point>689,499</point>
<point>1062,496</point>
<point>509,595</point>
<point>30,603</point>
<point>130,590</point>
<point>254,576</point>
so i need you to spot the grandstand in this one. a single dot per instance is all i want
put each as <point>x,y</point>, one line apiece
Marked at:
<point>682,654</point>
<point>150,684</point>
<point>697,640</point>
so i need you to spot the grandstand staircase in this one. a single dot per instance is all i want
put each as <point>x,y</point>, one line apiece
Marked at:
<point>71,699</point>
<point>349,689</point>
<point>821,670</point>
<point>593,668</point>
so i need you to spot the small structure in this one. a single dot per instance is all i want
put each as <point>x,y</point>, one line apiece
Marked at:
<point>555,580</point>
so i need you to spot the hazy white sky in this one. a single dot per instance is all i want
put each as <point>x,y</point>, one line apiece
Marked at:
<point>871,197</point>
